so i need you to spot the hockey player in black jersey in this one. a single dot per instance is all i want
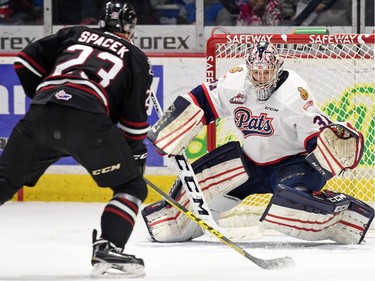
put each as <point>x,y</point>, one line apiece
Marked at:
<point>90,90</point>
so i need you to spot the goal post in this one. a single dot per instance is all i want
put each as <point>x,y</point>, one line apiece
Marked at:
<point>340,70</point>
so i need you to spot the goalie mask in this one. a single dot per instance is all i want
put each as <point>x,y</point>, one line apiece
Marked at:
<point>118,16</point>
<point>264,66</point>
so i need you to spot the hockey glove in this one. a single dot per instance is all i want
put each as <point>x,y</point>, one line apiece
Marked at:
<point>339,148</point>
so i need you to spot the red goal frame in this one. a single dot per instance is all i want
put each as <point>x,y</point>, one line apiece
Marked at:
<point>353,39</point>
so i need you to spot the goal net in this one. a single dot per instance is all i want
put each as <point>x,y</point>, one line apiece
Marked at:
<point>340,70</point>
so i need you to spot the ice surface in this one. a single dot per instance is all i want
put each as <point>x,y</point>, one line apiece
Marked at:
<point>52,241</point>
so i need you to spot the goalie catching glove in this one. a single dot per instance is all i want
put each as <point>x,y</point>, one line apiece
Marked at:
<point>178,126</point>
<point>339,148</point>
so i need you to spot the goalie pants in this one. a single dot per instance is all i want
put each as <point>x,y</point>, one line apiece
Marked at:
<point>293,171</point>
<point>49,132</point>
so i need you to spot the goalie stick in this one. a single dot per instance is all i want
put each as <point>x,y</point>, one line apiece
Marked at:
<point>200,206</point>
<point>277,263</point>
<point>193,190</point>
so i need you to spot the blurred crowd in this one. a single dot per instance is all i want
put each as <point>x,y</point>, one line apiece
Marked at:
<point>216,12</point>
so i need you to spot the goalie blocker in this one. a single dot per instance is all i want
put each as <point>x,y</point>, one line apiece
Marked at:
<point>318,215</point>
<point>178,126</point>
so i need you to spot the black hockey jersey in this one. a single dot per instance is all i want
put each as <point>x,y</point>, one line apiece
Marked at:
<point>90,69</point>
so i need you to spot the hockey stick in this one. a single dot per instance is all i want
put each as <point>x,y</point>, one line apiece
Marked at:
<point>263,263</point>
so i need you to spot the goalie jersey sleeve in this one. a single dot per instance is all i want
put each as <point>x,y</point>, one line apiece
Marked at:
<point>94,71</point>
<point>288,123</point>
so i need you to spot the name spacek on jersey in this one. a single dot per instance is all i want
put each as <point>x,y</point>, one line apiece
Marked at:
<point>93,70</point>
<point>284,125</point>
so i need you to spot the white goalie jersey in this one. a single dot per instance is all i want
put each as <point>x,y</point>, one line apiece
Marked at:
<point>290,149</point>
<point>270,130</point>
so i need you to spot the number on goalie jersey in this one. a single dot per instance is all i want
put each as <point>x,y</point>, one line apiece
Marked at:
<point>279,121</point>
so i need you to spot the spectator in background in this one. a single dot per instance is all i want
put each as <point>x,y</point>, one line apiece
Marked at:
<point>89,12</point>
<point>288,11</point>
<point>39,11</point>
<point>215,14</point>
<point>333,13</point>
<point>23,11</point>
<point>145,12</point>
<point>66,12</point>
<point>259,13</point>
<point>188,11</point>
<point>172,11</point>
<point>308,13</point>
<point>369,13</point>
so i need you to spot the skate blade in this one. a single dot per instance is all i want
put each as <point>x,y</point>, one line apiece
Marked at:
<point>107,270</point>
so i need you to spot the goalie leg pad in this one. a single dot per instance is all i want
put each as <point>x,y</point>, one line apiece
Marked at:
<point>166,224</point>
<point>180,123</point>
<point>217,172</point>
<point>318,215</point>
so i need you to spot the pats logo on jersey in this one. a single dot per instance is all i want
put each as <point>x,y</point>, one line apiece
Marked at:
<point>304,94</point>
<point>62,95</point>
<point>253,125</point>
<point>238,99</point>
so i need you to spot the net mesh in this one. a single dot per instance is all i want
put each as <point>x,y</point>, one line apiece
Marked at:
<point>340,71</point>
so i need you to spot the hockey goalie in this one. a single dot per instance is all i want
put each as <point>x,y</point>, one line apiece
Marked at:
<point>288,148</point>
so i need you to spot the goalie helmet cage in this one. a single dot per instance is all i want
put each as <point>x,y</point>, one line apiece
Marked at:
<point>340,71</point>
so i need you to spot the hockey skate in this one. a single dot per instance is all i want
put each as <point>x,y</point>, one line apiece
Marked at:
<point>109,261</point>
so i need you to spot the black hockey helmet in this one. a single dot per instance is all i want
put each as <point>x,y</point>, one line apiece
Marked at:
<point>119,16</point>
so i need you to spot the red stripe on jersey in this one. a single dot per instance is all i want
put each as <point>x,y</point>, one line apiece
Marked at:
<point>90,91</point>
<point>33,63</point>
<point>133,123</point>
<point>18,65</point>
<point>133,137</point>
